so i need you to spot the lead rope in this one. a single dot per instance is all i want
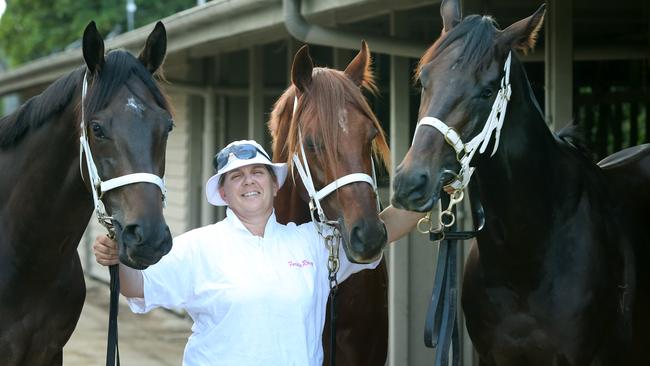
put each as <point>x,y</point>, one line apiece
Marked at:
<point>441,325</point>
<point>112,348</point>
<point>333,244</point>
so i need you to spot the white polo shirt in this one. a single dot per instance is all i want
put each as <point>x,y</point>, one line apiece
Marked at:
<point>254,301</point>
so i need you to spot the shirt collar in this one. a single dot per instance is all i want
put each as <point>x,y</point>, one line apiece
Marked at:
<point>269,229</point>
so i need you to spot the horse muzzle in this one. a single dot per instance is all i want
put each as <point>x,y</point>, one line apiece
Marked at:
<point>365,240</point>
<point>414,190</point>
<point>142,246</point>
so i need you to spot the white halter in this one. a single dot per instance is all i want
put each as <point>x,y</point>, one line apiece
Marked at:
<point>98,187</point>
<point>315,196</point>
<point>465,152</point>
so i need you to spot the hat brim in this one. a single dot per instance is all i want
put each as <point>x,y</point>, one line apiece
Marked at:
<point>212,186</point>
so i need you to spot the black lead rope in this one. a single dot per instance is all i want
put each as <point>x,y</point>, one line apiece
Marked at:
<point>112,350</point>
<point>441,327</point>
<point>441,324</point>
<point>333,326</point>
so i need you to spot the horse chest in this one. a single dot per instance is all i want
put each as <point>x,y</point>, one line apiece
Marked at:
<point>37,317</point>
<point>535,326</point>
<point>511,330</point>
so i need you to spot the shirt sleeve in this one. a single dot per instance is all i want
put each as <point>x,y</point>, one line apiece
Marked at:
<point>347,268</point>
<point>168,283</point>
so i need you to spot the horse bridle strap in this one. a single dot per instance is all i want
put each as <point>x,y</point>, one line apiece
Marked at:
<point>315,196</point>
<point>345,180</point>
<point>480,142</point>
<point>133,178</point>
<point>99,187</point>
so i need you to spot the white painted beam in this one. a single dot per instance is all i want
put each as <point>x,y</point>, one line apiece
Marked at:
<point>208,144</point>
<point>398,252</point>
<point>256,124</point>
<point>559,63</point>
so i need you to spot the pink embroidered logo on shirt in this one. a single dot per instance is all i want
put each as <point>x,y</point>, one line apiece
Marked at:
<point>304,263</point>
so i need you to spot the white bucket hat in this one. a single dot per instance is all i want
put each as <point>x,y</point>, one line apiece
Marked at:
<point>248,157</point>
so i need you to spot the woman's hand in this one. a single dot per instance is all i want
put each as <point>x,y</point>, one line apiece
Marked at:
<point>106,251</point>
<point>399,222</point>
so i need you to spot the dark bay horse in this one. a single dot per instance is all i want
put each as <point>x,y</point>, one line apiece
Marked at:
<point>340,134</point>
<point>551,279</point>
<point>45,204</point>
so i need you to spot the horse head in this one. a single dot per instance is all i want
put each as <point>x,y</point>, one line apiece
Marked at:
<point>325,114</point>
<point>465,83</point>
<point>127,120</point>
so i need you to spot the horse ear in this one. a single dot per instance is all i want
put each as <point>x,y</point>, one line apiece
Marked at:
<point>93,48</point>
<point>153,53</point>
<point>301,69</point>
<point>359,68</point>
<point>522,35</point>
<point>450,13</point>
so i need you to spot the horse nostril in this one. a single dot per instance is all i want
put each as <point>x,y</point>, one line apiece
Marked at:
<point>356,236</point>
<point>132,235</point>
<point>418,187</point>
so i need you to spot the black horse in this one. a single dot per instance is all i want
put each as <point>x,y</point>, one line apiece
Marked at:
<point>45,204</point>
<point>552,278</point>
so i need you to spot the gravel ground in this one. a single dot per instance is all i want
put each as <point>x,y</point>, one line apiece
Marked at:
<point>154,339</point>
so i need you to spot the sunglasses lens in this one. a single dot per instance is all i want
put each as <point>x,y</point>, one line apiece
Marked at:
<point>243,152</point>
<point>220,160</point>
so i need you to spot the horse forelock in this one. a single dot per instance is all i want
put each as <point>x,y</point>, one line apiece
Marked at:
<point>318,113</point>
<point>119,67</point>
<point>477,33</point>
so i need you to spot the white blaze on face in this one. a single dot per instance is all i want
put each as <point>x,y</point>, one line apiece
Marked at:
<point>343,120</point>
<point>134,105</point>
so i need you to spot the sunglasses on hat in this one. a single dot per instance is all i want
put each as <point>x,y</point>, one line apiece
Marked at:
<point>243,151</point>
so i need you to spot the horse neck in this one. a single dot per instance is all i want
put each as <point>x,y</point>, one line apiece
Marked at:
<point>289,204</point>
<point>42,186</point>
<point>523,183</point>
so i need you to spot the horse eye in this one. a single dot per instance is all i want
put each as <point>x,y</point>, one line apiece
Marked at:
<point>486,93</point>
<point>310,144</point>
<point>97,130</point>
<point>171,127</point>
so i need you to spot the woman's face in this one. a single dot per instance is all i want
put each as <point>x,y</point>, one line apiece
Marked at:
<point>249,190</point>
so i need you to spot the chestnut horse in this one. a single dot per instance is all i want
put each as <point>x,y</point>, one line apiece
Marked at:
<point>340,134</point>
<point>46,202</point>
<point>552,278</point>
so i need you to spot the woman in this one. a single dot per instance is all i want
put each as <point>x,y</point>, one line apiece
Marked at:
<point>256,289</point>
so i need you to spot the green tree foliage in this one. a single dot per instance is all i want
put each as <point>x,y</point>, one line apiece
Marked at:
<point>30,29</point>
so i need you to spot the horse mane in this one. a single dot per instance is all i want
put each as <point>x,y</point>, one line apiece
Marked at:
<point>575,137</point>
<point>38,109</point>
<point>119,66</point>
<point>327,95</point>
<point>477,33</point>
